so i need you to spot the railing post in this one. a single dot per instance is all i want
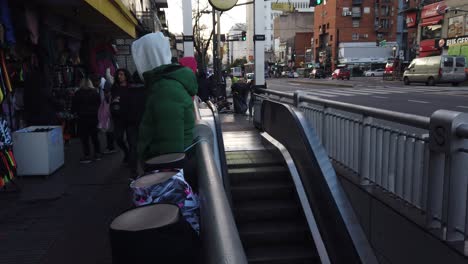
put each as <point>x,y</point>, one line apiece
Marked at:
<point>325,131</point>
<point>297,98</point>
<point>365,149</point>
<point>447,181</point>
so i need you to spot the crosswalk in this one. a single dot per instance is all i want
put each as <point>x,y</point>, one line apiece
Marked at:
<point>381,91</point>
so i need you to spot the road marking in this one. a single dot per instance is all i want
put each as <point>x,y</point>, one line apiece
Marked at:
<point>462,106</point>
<point>381,97</point>
<point>295,84</point>
<point>416,101</point>
<point>323,95</point>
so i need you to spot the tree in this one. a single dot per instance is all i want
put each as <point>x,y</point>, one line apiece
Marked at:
<point>201,43</point>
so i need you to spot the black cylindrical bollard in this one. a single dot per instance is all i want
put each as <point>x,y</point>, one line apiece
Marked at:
<point>155,233</point>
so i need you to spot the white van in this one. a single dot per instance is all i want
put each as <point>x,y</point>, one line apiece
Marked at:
<point>436,69</point>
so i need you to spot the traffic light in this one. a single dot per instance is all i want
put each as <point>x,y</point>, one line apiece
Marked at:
<point>223,37</point>
<point>315,2</point>
<point>244,36</point>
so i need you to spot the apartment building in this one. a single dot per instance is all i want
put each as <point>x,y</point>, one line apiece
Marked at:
<point>357,32</point>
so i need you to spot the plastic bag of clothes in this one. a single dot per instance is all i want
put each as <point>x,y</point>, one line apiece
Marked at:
<point>176,191</point>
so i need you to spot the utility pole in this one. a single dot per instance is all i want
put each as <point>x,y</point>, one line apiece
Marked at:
<point>215,46</point>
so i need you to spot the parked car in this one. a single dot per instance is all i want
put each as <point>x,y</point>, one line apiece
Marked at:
<point>372,73</point>
<point>249,77</point>
<point>293,74</point>
<point>436,69</point>
<point>317,73</point>
<point>341,74</point>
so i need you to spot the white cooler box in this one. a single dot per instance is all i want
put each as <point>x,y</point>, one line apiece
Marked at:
<point>38,153</point>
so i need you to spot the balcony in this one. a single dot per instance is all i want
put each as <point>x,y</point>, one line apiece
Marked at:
<point>148,20</point>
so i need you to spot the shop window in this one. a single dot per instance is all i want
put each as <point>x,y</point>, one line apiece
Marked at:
<point>431,32</point>
<point>448,62</point>
<point>460,62</point>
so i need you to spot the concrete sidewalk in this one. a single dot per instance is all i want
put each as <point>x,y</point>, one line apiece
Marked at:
<point>64,218</point>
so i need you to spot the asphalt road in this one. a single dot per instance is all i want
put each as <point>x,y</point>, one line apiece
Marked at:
<point>374,92</point>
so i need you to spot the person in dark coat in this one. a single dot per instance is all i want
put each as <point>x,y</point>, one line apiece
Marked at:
<point>85,106</point>
<point>122,80</point>
<point>132,103</point>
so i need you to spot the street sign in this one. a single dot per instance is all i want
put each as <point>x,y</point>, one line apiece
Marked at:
<point>287,7</point>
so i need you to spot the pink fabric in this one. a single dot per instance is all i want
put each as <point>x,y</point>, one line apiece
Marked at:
<point>189,62</point>
<point>104,116</point>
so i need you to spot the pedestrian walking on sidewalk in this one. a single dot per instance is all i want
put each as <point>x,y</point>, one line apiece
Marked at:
<point>105,123</point>
<point>122,80</point>
<point>85,106</point>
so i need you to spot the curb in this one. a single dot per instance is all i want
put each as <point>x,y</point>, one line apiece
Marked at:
<point>324,83</point>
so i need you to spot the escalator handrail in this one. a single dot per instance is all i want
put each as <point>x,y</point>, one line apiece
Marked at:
<point>219,235</point>
<point>221,150</point>
<point>339,227</point>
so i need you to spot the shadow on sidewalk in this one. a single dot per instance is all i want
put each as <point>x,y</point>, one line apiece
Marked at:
<point>64,218</point>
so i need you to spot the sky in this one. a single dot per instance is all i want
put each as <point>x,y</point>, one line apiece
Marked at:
<point>228,19</point>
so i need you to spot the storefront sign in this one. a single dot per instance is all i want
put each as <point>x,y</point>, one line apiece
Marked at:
<point>432,10</point>
<point>457,41</point>
<point>411,19</point>
<point>455,26</point>
<point>282,7</point>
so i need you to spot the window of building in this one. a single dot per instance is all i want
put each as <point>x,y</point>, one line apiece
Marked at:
<point>431,32</point>
<point>355,36</point>
<point>331,37</point>
<point>355,23</point>
<point>328,25</point>
<point>366,10</point>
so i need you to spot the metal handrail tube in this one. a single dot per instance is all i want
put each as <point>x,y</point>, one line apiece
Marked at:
<point>222,153</point>
<point>393,116</point>
<point>221,241</point>
<point>462,131</point>
<point>220,237</point>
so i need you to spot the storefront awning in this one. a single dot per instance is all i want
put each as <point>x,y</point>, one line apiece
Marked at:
<point>431,21</point>
<point>117,13</point>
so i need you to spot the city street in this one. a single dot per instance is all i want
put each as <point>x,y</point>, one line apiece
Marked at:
<point>374,92</point>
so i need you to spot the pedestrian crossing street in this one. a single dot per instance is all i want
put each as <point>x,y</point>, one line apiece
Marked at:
<point>381,91</point>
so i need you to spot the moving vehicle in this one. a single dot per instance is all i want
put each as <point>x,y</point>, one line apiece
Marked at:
<point>342,74</point>
<point>317,73</point>
<point>436,69</point>
<point>293,74</point>
<point>373,73</point>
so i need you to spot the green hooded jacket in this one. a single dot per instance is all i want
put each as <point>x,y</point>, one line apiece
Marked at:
<point>168,120</point>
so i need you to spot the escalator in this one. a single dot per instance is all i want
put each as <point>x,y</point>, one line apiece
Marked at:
<point>271,223</point>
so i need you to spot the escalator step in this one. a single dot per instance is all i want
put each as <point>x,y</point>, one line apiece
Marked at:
<point>264,233</point>
<point>283,254</point>
<point>280,190</point>
<point>257,174</point>
<point>258,210</point>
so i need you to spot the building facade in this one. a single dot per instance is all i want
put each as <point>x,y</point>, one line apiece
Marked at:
<point>356,32</point>
<point>289,28</point>
<point>455,28</point>
<point>301,6</point>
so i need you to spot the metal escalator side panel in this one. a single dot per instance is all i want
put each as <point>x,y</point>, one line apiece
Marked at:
<point>322,251</point>
<point>339,227</point>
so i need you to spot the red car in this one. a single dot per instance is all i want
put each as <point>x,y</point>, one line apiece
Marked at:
<point>341,74</point>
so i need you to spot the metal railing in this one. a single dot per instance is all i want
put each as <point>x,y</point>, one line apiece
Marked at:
<point>428,170</point>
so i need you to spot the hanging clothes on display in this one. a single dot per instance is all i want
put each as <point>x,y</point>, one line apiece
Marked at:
<point>101,58</point>
<point>7,159</point>
<point>5,19</point>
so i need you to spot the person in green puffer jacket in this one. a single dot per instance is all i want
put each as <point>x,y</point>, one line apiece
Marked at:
<point>168,121</point>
